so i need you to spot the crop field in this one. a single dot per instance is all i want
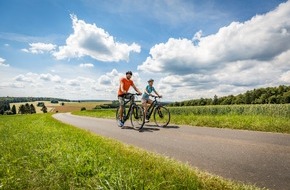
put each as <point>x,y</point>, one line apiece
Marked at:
<point>273,110</point>
<point>268,118</point>
<point>39,152</point>
<point>58,107</point>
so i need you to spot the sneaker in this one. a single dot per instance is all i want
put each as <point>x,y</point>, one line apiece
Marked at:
<point>146,120</point>
<point>120,123</point>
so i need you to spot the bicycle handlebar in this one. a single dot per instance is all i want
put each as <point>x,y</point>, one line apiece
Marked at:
<point>137,94</point>
<point>156,96</point>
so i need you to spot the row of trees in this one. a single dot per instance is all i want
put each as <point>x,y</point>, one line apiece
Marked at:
<point>30,99</point>
<point>270,95</point>
<point>26,109</point>
<point>23,109</point>
<point>5,101</point>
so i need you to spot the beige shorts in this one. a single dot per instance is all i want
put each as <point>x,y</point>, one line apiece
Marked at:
<point>145,101</point>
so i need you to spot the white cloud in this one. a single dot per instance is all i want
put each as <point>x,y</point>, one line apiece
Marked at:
<point>105,80</point>
<point>2,63</point>
<point>240,56</point>
<point>285,77</point>
<point>23,78</point>
<point>50,77</point>
<point>86,65</point>
<point>90,40</point>
<point>40,48</point>
<point>12,85</point>
<point>73,82</point>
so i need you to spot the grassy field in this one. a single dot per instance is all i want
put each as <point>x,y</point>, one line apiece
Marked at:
<point>67,107</point>
<point>269,118</point>
<point>38,152</point>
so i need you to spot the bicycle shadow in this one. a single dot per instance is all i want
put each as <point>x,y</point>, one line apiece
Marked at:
<point>150,128</point>
<point>167,127</point>
<point>144,129</point>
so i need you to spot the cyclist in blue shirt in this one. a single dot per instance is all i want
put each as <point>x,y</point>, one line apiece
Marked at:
<point>146,102</point>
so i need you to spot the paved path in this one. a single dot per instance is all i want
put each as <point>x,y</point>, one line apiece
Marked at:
<point>251,157</point>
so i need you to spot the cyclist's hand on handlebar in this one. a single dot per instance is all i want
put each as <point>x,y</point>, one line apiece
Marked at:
<point>139,93</point>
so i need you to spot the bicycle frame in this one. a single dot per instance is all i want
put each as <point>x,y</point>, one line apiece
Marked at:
<point>132,103</point>
<point>151,107</point>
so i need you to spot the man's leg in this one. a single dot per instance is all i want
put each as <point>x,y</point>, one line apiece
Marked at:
<point>121,109</point>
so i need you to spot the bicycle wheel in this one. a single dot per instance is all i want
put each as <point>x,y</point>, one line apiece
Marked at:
<point>161,116</point>
<point>137,117</point>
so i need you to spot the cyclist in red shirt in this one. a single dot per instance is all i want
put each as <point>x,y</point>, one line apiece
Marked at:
<point>125,84</point>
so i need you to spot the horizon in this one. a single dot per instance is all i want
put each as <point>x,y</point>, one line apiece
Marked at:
<point>104,100</point>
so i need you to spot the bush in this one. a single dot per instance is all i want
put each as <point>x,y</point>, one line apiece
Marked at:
<point>8,112</point>
<point>83,109</point>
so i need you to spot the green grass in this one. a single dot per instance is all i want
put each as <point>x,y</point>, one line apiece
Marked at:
<point>268,118</point>
<point>243,122</point>
<point>38,152</point>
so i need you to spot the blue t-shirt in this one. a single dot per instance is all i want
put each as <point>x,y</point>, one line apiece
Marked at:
<point>149,89</point>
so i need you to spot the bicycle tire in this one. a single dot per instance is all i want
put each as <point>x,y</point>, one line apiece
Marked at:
<point>161,116</point>
<point>137,117</point>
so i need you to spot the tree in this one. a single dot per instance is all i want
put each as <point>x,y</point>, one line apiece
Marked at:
<point>286,97</point>
<point>27,108</point>
<point>215,100</point>
<point>32,109</point>
<point>13,109</point>
<point>44,109</point>
<point>21,109</point>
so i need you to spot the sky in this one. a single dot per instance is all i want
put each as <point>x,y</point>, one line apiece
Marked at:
<point>80,49</point>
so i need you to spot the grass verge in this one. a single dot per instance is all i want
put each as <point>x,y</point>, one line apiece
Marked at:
<point>38,152</point>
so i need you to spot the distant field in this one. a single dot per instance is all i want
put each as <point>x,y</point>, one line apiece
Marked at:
<point>67,107</point>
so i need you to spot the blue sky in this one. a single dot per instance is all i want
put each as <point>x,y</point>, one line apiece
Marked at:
<point>79,49</point>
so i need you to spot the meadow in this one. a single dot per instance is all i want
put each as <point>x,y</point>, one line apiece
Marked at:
<point>266,117</point>
<point>39,152</point>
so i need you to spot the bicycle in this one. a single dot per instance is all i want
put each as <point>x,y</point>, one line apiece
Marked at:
<point>161,113</point>
<point>135,112</point>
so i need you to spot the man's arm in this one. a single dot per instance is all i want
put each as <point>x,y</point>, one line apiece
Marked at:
<point>136,89</point>
<point>122,87</point>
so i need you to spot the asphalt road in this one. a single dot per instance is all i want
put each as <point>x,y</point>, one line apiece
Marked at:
<point>250,157</point>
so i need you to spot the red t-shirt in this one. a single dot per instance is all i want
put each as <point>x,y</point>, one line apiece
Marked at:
<point>126,85</point>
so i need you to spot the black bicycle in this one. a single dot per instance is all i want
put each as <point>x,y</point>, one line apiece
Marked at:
<point>135,112</point>
<point>161,114</point>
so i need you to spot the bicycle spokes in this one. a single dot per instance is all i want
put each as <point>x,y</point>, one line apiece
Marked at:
<point>137,117</point>
<point>160,113</point>
<point>135,113</point>
<point>161,116</point>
